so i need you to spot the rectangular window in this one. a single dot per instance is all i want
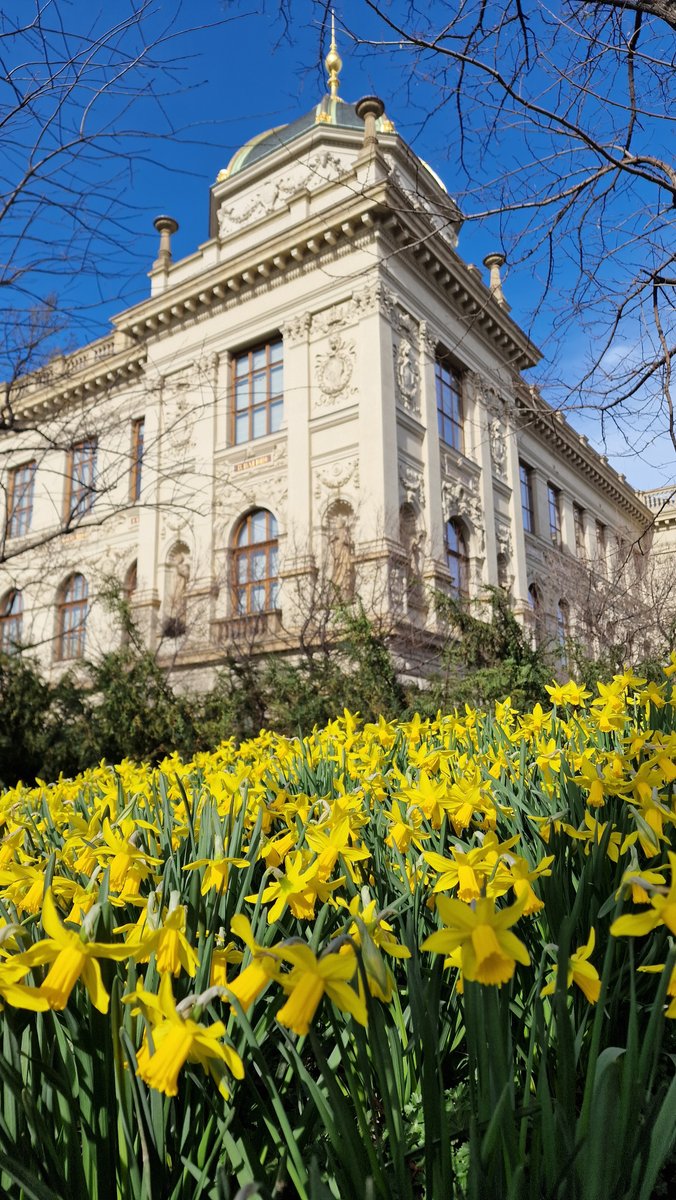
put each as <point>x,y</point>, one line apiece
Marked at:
<point>137,432</point>
<point>449,404</point>
<point>20,490</point>
<point>527,504</point>
<point>554,500</point>
<point>257,392</point>
<point>81,484</point>
<point>601,544</point>
<point>578,519</point>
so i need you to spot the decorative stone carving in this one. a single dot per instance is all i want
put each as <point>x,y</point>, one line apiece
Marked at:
<point>340,544</point>
<point>411,485</point>
<point>334,370</point>
<point>445,224</point>
<point>428,339</point>
<point>498,446</point>
<point>178,580</point>
<point>323,167</point>
<point>407,375</point>
<point>461,499</point>
<point>295,329</point>
<point>336,475</point>
<point>178,417</point>
<point>503,539</point>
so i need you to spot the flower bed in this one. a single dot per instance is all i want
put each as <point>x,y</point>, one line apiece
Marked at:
<point>422,959</point>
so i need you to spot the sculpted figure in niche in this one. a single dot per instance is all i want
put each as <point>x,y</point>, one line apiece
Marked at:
<point>413,542</point>
<point>341,550</point>
<point>177,600</point>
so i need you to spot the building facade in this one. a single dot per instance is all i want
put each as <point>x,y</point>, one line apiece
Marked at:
<point>324,395</point>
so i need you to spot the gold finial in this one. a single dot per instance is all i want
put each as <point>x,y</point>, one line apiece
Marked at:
<point>333,62</point>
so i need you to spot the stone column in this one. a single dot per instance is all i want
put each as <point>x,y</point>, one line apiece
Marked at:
<point>297,419</point>
<point>482,421</point>
<point>516,522</point>
<point>146,600</point>
<point>431,451</point>
<point>378,448</point>
<point>567,522</point>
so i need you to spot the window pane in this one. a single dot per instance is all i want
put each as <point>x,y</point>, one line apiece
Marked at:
<point>242,394</point>
<point>273,561</point>
<point>276,381</point>
<point>276,414</point>
<point>242,568</point>
<point>242,365</point>
<point>274,595</point>
<point>241,601</point>
<point>258,359</point>
<point>259,422</point>
<point>257,598</point>
<point>276,351</point>
<point>259,390</point>
<point>259,532</point>
<point>242,427</point>
<point>258,565</point>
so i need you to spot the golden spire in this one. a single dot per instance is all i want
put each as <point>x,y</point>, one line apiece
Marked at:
<point>333,62</point>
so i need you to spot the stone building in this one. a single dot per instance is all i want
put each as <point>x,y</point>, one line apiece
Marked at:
<point>322,400</point>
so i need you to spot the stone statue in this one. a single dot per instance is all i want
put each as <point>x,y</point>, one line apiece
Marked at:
<point>341,549</point>
<point>175,624</point>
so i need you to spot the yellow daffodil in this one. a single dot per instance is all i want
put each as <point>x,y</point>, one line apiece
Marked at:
<point>662,911</point>
<point>579,971</point>
<point>489,951</point>
<point>177,1039</point>
<point>72,957</point>
<point>311,978</point>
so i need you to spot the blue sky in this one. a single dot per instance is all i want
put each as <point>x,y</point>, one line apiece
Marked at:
<point>237,70</point>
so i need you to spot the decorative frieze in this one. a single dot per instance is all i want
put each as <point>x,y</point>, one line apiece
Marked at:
<point>323,167</point>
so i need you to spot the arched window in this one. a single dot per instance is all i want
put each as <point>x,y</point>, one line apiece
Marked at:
<point>457,558</point>
<point>11,621</point>
<point>535,611</point>
<point>72,618</point>
<point>255,564</point>
<point>562,622</point>
<point>130,582</point>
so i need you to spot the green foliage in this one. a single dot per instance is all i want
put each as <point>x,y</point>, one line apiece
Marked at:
<point>489,659</point>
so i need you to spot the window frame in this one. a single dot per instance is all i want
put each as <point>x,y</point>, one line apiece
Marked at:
<point>71,641</point>
<point>578,525</point>
<point>137,452</point>
<point>554,509</point>
<point>527,496</point>
<point>451,418</point>
<point>245,552</point>
<point>272,401</point>
<point>457,560</point>
<point>562,622</point>
<point>81,493</point>
<point>11,621</point>
<point>20,497</point>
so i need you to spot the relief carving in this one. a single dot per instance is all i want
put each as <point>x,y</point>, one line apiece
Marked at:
<point>462,500</point>
<point>295,329</point>
<point>322,168</point>
<point>407,375</point>
<point>334,370</point>
<point>411,485</point>
<point>336,475</point>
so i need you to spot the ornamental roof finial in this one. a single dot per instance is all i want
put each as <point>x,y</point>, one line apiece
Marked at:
<point>333,62</point>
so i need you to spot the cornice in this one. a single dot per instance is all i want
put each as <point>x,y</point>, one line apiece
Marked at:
<point>553,428</point>
<point>93,369</point>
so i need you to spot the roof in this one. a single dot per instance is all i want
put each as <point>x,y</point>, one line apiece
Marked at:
<point>331,110</point>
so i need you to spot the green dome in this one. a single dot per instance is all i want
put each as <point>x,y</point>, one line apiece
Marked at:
<point>331,110</point>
